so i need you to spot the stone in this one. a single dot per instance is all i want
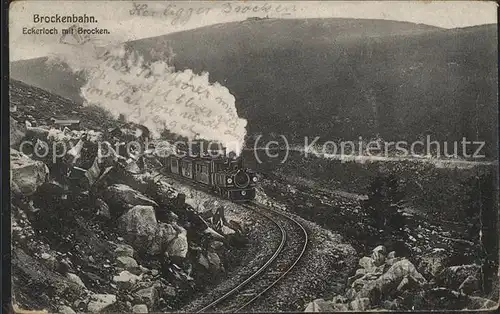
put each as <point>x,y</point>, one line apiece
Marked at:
<point>389,281</point>
<point>432,264</point>
<point>125,280</point>
<point>75,279</point>
<point>319,305</point>
<point>164,192</point>
<point>27,173</point>
<point>63,309</point>
<point>360,304</point>
<point>99,302</point>
<point>102,208</point>
<point>214,261</point>
<point>124,250</point>
<point>203,261</point>
<point>148,295</point>
<point>390,304</point>
<point>50,261</point>
<point>179,246</point>
<point>340,307</point>
<point>121,197</point>
<point>140,308</point>
<point>367,262</point>
<point>164,234</point>
<point>378,255</point>
<point>392,254</point>
<point>453,277</point>
<point>359,274</point>
<point>380,249</point>
<point>391,261</point>
<point>139,226</point>
<point>126,262</point>
<point>169,291</point>
<point>339,299</point>
<point>227,231</point>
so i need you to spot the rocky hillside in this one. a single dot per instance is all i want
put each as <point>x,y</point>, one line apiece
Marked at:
<point>334,78</point>
<point>96,234</point>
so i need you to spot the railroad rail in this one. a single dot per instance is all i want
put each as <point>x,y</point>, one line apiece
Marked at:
<point>294,240</point>
<point>293,244</point>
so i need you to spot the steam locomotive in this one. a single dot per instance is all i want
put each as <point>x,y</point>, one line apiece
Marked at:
<point>225,176</point>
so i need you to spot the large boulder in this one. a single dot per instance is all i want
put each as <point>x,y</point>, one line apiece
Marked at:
<point>139,226</point>
<point>140,308</point>
<point>388,283</point>
<point>121,197</point>
<point>127,262</point>
<point>75,279</point>
<point>164,192</point>
<point>100,302</point>
<point>147,295</point>
<point>164,234</point>
<point>125,280</point>
<point>124,250</point>
<point>27,174</point>
<point>178,247</point>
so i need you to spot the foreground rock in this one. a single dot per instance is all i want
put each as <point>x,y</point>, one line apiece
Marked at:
<point>100,302</point>
<point>140,308</point>
<point>178,247</point>
<point>121,197</point>
<point>139,226</point>
<point>26,173</point>
<point>394,283</point>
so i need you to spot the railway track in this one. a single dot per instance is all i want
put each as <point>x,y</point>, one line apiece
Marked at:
<point>293,244</point>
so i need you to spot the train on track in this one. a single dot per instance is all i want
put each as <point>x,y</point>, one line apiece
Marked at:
<point>225,176</point>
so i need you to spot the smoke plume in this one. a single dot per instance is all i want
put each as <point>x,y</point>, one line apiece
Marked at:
<point>155,95</point>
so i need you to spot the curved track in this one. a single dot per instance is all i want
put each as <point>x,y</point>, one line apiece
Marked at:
<point>294,239</point>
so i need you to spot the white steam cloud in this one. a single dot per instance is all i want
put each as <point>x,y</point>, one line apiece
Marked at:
<point>156,96</point>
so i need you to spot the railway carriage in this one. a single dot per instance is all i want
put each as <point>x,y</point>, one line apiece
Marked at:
<point>226,177</point>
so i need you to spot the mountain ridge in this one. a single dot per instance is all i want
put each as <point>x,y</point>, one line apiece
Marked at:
<point>299,78</point>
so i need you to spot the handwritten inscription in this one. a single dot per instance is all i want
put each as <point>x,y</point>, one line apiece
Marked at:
<point>178,16</point>
<point>182,15</point>
<point>283,9</point>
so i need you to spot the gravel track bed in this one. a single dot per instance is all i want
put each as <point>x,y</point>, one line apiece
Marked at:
<point>290,252</point>
<point>263,238</point>
<point>323,269</point>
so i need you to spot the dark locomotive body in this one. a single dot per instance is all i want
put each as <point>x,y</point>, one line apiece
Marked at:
<point>225,176</point>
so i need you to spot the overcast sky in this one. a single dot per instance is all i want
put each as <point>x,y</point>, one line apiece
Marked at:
<point>116,17</point>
